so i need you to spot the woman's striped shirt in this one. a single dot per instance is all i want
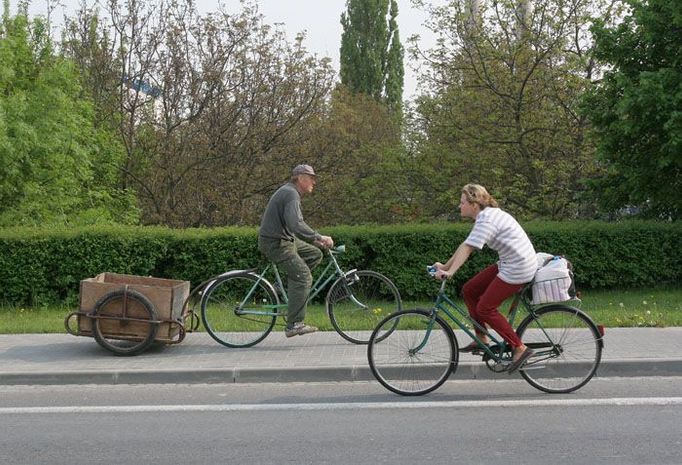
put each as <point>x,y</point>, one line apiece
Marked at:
<point>501,232</point>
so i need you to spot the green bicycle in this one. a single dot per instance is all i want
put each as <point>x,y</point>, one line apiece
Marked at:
<point>239,308</point>
<point>413,352</point>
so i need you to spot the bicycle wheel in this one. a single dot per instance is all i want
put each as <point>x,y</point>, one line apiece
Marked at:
<point>567,347</point>
<point>409,360</point>
<point>357,301</point>
<point>239,310</point>
<point>125,322</point>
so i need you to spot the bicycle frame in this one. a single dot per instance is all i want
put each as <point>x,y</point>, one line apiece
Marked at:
<point>331,272</point>
<point>447,306</point>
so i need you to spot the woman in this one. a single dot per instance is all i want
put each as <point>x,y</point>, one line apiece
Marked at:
<point>484,293</point>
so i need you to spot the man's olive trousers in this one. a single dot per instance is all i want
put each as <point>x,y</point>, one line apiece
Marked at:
<point>295,259</point>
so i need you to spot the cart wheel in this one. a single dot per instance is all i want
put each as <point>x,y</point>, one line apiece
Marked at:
<point>124,322</point>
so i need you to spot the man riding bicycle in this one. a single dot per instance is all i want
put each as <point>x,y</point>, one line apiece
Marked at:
<point>286,240</point>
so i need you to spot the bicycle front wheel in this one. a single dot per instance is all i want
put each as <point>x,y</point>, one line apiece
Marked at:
<point>358,301</point>
<point>412,352</point>
<point>567,346</point>
<point>239,310</point>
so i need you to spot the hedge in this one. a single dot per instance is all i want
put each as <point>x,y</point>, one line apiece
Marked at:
<point>46,265</point>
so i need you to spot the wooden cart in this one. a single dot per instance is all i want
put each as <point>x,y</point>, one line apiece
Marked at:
<point>126,314</point>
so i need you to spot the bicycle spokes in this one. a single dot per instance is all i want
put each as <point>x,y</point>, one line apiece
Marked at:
<point>567,347</point>
<point>239,310</point>
<point>411,353</point>
<point>358,301</point>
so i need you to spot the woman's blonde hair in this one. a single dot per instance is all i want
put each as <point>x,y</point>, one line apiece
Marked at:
<point>477,194</point>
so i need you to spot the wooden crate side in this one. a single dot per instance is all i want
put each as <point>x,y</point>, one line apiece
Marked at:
<point>180,294</point>
<point>137,280</point>
<point>167,296</point>
<point>129,328</point>
<point>169,332</point>
<point>85,304</point>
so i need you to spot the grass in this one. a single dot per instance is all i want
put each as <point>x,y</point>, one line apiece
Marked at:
<point>635,308</point>
<point>629,308</point>
<point>614,308</point>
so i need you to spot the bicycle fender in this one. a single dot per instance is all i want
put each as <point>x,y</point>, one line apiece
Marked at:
<point>213,281</point>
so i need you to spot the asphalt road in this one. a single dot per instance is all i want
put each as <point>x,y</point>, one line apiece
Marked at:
<point>610,421</point>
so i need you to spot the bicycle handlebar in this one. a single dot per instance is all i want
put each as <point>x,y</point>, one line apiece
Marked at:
<point>338,249</point>
<point>431,270</point>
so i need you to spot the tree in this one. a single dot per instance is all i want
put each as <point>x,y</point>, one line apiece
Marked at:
<point>636,109</point>
<point>55,165</point>
<point>371,56</point>
<point>504,82</point>
<point>213,110</point>
<point>361,178</point>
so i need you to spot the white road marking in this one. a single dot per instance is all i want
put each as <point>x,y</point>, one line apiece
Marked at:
<point>625,401</point>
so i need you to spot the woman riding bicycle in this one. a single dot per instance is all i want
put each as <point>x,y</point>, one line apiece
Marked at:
<point>484,293</point>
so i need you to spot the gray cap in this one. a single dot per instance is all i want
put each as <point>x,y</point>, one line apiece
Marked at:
<point>303,169</point>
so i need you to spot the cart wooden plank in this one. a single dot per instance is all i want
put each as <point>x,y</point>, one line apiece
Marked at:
<point>167,295</point>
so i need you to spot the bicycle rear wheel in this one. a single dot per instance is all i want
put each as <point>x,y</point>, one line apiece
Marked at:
<point>358,301</point>
<point>412,353</point>
<point>239,310</point>
<point>567,347</point>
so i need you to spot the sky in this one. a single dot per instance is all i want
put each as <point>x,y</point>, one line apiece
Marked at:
<point>320,19</point>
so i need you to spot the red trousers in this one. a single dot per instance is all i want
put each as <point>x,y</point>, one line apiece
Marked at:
<point>483,295</point>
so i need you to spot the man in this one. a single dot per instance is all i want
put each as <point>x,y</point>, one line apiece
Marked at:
<point>288,242</point>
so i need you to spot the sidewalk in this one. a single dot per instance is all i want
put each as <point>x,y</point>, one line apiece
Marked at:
<point>323,356</point>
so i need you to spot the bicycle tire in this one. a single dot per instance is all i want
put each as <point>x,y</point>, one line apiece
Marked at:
<point>573,358</point>
<point>221,310</point>
<point>358,301</point>
<point>395,364</point>
<point>129,334</point>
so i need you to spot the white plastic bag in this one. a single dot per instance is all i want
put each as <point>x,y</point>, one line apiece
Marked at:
<point>552,281</point>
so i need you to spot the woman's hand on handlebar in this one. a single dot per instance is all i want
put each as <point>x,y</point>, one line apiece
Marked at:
<point>438,271</point>
<point>442,274</point>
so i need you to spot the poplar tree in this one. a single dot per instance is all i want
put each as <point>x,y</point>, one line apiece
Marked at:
<point>371,52</point>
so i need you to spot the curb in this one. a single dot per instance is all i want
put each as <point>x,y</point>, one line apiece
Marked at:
<point>465,371</point>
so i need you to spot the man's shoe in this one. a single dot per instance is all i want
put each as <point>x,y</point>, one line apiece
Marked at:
<point>299,329</point>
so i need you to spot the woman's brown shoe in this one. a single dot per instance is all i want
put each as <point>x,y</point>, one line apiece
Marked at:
<point>528,353</point>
